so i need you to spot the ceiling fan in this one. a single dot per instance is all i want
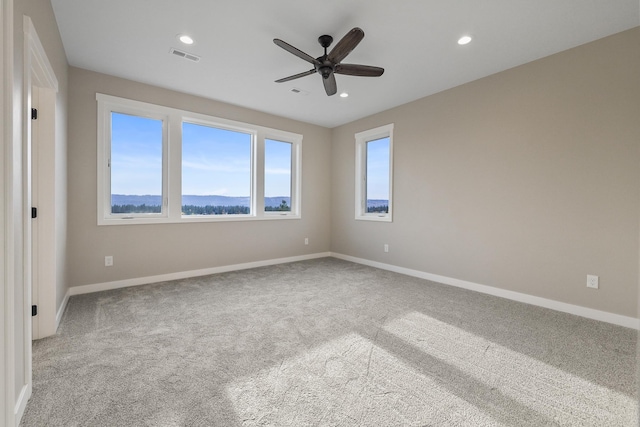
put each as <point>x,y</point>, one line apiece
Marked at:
<point>328,65</point>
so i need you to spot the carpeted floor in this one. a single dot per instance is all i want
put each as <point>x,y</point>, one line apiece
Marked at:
<point>327,343</point>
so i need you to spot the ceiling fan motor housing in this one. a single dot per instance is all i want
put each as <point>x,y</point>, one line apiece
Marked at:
<point>326,68</point>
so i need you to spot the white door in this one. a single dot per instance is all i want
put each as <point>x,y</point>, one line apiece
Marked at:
<point>35,333</point>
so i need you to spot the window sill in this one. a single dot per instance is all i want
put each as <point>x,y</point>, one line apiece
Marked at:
<point>196,219</point>
<point>374,217</point>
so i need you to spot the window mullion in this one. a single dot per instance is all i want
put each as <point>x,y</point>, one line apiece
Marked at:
<point>174,167</point>
<point>258,171</point>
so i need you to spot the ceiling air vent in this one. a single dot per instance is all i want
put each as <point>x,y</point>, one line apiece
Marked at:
<point>299,91</point>
<point>185,55</point>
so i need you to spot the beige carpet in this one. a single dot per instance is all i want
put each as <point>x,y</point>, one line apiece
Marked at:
<point>327,343</point>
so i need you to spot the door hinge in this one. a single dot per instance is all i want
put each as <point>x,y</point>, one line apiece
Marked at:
<point>34,212</point>
<point>34,310</point>
<point>34,114</point>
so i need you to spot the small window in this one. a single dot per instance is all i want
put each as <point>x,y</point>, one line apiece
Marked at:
<point>216,171</point>
<point>277,176</point>
<point>374,174</point>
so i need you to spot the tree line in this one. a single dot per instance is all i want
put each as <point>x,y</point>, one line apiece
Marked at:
<point>378,209</point>
<point>197,210</point>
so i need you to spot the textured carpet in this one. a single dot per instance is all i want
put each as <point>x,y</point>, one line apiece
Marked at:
<point>328,343</point>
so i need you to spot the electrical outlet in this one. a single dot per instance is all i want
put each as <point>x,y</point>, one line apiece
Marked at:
<point>108,261</point>
<point>592,281</point>
<point>386,247</point>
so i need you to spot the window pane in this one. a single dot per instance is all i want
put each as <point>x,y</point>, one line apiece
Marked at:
<point>378,175</point>
<point>136,164</point>
<point>277,176</point>
<point>216,171</point>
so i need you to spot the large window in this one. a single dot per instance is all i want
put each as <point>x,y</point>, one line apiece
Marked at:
<point>216,171</point>
<point>158,164</point>
<point>136,164</point>
<point>374,174</point>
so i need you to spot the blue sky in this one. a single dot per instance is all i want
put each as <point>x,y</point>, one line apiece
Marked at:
<point>214,161</point>
<point>277,166</point>
<point>136,155</point>
<point>378,169</point>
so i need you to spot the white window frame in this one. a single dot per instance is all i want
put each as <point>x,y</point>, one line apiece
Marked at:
<point>296,171</point>
<point>105,108</point>
<point>172,164</point>
<point>362,138</point>
<point>203,120</point>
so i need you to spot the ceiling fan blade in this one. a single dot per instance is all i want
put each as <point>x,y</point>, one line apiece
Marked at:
<point>296,76</point>
<point>297,52</point>
<point>346,45</point>
<point>330,84</point>
<point>359,70</point>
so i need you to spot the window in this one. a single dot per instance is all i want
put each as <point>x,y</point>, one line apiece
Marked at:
<point>136,165</point>
<point>374,174</point>
<point>216,171</point>
<point>277,176</point>
<point>220,169</point>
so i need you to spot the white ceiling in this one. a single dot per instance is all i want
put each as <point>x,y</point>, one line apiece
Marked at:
<point>413,40</point>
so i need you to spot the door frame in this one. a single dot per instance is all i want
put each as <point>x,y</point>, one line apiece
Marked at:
<point>40,184</point>
<point>7,219</point>
<point>16,340</point>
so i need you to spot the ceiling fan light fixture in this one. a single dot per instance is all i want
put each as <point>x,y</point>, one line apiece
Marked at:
<point>184,38</point>
<point>464,40</point>
<point>344,95</point>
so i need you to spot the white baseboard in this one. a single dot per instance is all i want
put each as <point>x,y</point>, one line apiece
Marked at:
<point>62,308</point>
<point>97,287</point>
<point>21,402</point>
<point>590,313</point>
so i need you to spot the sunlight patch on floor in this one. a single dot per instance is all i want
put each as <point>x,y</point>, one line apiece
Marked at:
<point>559,395</point>
<point>348,381</point>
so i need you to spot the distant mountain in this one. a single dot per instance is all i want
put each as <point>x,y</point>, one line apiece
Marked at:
<point>123,199</point>
<point>215,201</point>
<point>150,200</point>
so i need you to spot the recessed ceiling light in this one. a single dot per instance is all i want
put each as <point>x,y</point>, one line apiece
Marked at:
<point>464,39</point>
<point>344,95</point>
<point>185,39</point>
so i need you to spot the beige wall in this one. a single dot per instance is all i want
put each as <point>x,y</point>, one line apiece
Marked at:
<point>526,180</point>
<point>148,250</point>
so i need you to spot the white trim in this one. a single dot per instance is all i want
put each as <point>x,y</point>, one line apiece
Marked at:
<point>590,313</point>
<point>105,109</point>
<point>7,401</point>
<point>62,308</point>
<point>21,402</point>
<point>98,287</point>
<point>40,67</point>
